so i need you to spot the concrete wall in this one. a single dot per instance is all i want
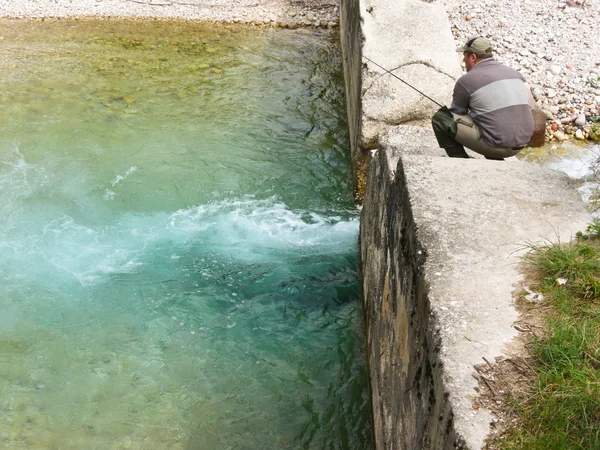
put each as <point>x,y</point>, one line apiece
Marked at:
<point>351,39</point>
<point>440,238</point>
<point>409,404</point>
<point>392,35</point>
<point>411,410</point>
<point>411,39</point>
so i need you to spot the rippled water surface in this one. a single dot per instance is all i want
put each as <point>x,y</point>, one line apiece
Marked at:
<point>178,240</point>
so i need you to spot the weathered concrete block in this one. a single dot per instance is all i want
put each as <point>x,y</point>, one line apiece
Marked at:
<point>440,240</point>
<point>412,39</point>
<point>387,101</point>
<point>410,407</point>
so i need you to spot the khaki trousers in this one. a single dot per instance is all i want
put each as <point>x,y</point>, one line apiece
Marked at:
<point>468,135</point>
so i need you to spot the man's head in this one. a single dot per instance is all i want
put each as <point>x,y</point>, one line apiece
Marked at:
<point>475,50</point>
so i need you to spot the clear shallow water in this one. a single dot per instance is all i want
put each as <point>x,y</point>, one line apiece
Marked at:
<point>579,161</point>
<point>178,242</point>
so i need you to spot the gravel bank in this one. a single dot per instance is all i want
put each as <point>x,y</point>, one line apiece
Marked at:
<point>555,44</point>
<point>284,13</point>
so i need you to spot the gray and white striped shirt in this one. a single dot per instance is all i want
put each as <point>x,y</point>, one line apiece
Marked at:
<point>496,97</point>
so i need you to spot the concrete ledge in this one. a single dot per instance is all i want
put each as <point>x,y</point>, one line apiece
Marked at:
<point>440,243</point>
<point>410,140</point>
<point>474,218</point>
<point>412,39</point>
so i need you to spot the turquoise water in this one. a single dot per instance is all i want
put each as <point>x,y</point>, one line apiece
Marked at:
<point>178,240</point>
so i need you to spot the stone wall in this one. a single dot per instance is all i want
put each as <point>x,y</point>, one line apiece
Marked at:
<point>410,408</point>
<point>351,40</point>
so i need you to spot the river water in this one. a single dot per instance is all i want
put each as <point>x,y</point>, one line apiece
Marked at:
<point>178,243</point>
<point>579,161</point>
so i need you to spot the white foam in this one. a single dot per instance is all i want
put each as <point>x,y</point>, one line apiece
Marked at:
<point>120,178</point>
<point>580,167</point>
<point>109,195</point>
<point>589,193</point>
<point>266,223</point>
<point>18,178</point>
<point>245,230</point>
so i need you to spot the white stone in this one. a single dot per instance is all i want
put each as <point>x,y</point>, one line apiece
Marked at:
<point>553,109</point>
<point>579,135</point>
<point>580,120</point>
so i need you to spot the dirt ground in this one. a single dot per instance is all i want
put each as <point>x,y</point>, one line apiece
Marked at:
<point>508,381</point>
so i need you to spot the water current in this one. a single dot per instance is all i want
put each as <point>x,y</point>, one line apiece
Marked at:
<point>178,240</point>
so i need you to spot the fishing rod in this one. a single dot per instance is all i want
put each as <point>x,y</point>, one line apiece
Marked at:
<point>394,75</point>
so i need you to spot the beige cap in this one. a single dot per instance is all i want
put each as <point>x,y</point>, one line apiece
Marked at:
<point>479,46</point>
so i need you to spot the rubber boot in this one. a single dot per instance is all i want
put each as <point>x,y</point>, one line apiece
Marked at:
<point>456,151</point>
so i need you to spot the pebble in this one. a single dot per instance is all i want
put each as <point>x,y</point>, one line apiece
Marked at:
<point>580,120</point>
<point>560,136</point>
<point>579,135</point>
<point>555,70</point>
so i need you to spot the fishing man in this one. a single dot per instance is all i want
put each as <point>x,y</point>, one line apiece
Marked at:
<point>490,112</point>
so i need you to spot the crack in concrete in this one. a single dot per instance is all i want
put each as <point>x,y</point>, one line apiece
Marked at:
<point>394,121</point>
<point>409,63</point>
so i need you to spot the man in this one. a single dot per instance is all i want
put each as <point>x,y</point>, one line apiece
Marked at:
<point>490,112</point>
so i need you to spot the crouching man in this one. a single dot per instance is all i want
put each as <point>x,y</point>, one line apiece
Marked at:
<point>490,112</point>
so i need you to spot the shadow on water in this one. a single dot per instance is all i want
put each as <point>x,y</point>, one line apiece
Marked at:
<point>178,244</point>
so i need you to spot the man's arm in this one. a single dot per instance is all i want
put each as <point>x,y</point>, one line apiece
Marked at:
<point>532,103</point>
<point>460,100</point>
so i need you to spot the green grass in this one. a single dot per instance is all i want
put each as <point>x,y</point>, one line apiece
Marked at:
<point>593,81</point>
<point>563,411</point>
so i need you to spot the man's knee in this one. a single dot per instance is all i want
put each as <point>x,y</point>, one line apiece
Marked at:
<point>437,122</point>
<point>443,123</point>
<point>444,127</point>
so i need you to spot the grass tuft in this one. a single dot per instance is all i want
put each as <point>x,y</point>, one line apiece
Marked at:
<point>568,261</point>
<point>563,411</point>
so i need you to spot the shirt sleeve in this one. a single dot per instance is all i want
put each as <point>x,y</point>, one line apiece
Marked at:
<point>460,100</point>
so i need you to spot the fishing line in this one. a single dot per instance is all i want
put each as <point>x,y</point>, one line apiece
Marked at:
<point>393,74</point>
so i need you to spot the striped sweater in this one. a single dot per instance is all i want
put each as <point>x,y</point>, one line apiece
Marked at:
<point>496,97</point>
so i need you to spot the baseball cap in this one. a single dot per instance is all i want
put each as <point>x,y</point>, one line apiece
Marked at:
<point>478,45</point>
